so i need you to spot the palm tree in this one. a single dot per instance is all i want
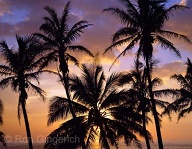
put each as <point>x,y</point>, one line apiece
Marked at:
<point>183,102</point>
<point>22,66</point>
<point>2,135</point>
<point>139,92</point>
<point>144,22</point>
<point>59,38</point>
<point>104,111</point>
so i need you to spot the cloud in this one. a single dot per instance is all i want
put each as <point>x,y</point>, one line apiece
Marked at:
<point>96,37</point>
<point>183,2</point>
<point>167,70</point>
<point>4,7</point>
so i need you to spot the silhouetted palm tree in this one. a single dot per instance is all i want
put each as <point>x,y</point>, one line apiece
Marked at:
<point>139,92</point>
<point>59,37</point>
<point>2,135</point>
<point>22,66</point>
<point>101,109</point>
<point>183,102</point>
<point>144,21</point>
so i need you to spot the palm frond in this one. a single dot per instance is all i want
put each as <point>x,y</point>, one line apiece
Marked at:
<point>111,83</point>
<point>124,33</point>
<point>171,9</point>
<point>37,90</point>
<point>171,34</point>
<point>128,48</point>
<point>81,93</point>
<point>64,18</point>
<point>53,15</point>
<point>167,45</point>
<point>48,59</point>
<point>66,130</point>
<point>121,42</point>
<point>75,31</point>
<point>122,15</point>
<point>175,93</point>
<point>6,81</point>
<point>72,59</point>
<point>185,111</point>
<point>78,48</point>
<point>5,70</point>
<point>91,137</point>
<point>49,41</point>
<point>58,109</point>
<point>114,99</point>
<point>156,82</point>
<point>181,79</point>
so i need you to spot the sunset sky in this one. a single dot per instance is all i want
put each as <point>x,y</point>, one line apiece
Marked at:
<point>25,16</point>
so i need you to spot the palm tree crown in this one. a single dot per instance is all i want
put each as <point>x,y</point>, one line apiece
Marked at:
<point>139,93</point>
<point>103,110</point>
<point>144,25</point>
<point>59,37</point>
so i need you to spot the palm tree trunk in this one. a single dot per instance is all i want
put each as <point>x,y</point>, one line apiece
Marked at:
<point>64,70</point>
<point>144,127</point>
<point>22,99</point>
<point>157,124</point>
<point>27,126</point>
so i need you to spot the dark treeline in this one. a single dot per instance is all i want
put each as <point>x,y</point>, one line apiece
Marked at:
<point>96,105</point>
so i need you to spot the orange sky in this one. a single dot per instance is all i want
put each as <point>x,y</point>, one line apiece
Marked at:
<point>37,112</point>
<point>19,16</point>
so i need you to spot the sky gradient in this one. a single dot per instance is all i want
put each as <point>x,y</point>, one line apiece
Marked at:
<point>25,16</point>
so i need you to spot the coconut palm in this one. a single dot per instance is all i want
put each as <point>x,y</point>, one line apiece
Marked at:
<point>2,135</point>
<point>21,67</point>
<point>104,111</point>
<point>144,21</point>
<point>139,92</point>
<point>59,37</point>
<point>183,102</point>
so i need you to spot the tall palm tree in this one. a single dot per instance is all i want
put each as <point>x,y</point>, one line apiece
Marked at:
<point>144,22</point>
<point>183,102</point>
<point>103,109</point>
<point>21,67</point>
<point>59,37</point>
<point>139,92</point>
<point>2,135</point>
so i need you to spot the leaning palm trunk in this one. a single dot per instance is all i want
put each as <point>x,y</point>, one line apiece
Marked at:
<point>23,97</point>
<point>27,126</point>
<point>147,43</point>
<point>64,70</point>
<point>154,110</point>
<point>144,126</point>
